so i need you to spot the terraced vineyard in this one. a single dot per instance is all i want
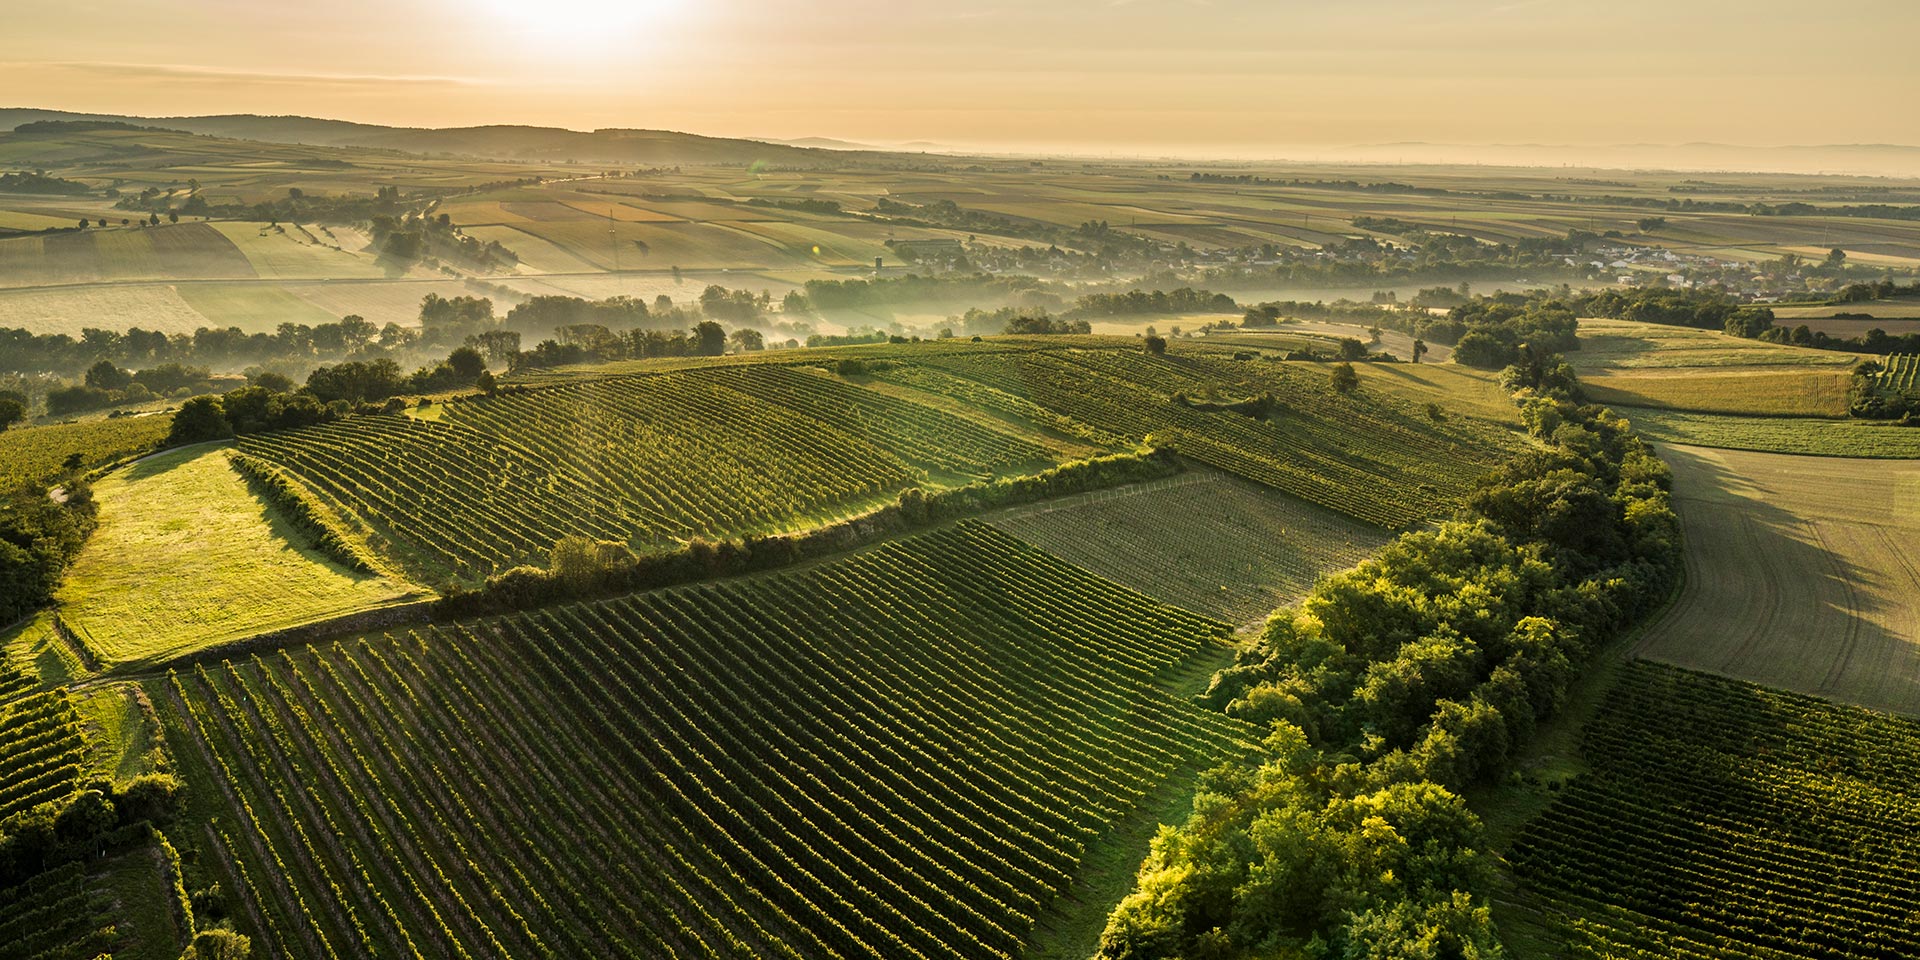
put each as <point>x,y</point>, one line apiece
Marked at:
<point>1204,541</point>
<point>1371,459</point>
<point>904,753</point>
<point>646,460</point>
<point>1724,820</point>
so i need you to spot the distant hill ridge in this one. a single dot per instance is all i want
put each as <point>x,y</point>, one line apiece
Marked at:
<point>509,142</point>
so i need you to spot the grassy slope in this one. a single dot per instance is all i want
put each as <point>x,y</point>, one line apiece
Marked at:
<point>185,557</point>
<point>1204,541</point>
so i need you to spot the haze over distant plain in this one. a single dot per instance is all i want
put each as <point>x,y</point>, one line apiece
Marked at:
<point>1190,77</point>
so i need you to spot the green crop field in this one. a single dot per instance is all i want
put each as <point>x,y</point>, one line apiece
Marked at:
<point>37,453</point>
<point>1203,541</point>
<point>1394,464</point>
<point>185,251</point>
<point>253,307</point>
<point>765,767</point>
<point>1802,435</point>
<point>1724,820</point>
<point>186,556</point>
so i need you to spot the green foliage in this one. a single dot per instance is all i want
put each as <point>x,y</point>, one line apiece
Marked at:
<point>199,419</point>
<point>1342,377</point>
<point>218,944</point>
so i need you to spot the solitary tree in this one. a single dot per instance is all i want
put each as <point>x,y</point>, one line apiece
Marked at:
<point>1419,350</point>
<point>1156,345</point>
<point>1344,379</point>
<point>11,412</point>
<point>1352,349</point>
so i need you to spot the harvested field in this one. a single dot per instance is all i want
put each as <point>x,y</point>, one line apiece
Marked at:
<point>1203,541</point>
<point>1780,392</point>
<point>1802,573</point>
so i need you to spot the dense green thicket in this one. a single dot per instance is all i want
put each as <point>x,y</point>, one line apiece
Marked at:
<point>1490,332</point>
<point>1393,687</point>
<point>39,536</point>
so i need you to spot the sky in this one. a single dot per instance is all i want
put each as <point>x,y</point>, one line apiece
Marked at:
<point>1227,77</point>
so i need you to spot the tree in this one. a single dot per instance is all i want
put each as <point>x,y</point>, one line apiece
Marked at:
<point>1835,257</point>
<point>1650,224</point>
<point>11,412</point>
<point>1156,345</point>
<point>710,339</point>
<point>1419,350</point>
<point>1352,349</point>
<point>199,419</point>
<point>173,216</point>
<point>105,376</point>
<point>747,338</point>
<point>467,364</point>
<point>1344,379</point>
<point>499,346</point>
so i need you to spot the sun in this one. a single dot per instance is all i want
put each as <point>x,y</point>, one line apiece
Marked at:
<point>601,19</point>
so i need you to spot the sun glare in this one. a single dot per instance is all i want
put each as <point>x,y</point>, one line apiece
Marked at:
<point>589,21</point>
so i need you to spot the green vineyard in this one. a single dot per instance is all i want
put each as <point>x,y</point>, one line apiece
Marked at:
<point>903,753</point>
<point>1900,373</point>
<point>726,450</point>
<point>1723,820</point>
<point>1370,459</point>
<point>644,460</point>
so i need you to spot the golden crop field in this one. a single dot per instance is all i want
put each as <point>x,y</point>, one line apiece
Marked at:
<point>1802,573</point>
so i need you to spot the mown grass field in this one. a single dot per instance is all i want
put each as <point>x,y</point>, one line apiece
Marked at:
<point>771,766</point>
<point>186,556</point>
<point>1797,435</point>
<point>1202,541</point>
<point>1792,392</point>
<point>1630,344</point>
<point>1803,573</point>
<point>1725,820</point>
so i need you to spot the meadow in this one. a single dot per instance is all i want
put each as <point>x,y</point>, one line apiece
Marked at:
<point>1203,541</point>
<point>188,556</point>
<point>1794,392</point>
<point>1801,575</point>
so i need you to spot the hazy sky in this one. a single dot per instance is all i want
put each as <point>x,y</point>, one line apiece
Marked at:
<point>1195,75</point>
